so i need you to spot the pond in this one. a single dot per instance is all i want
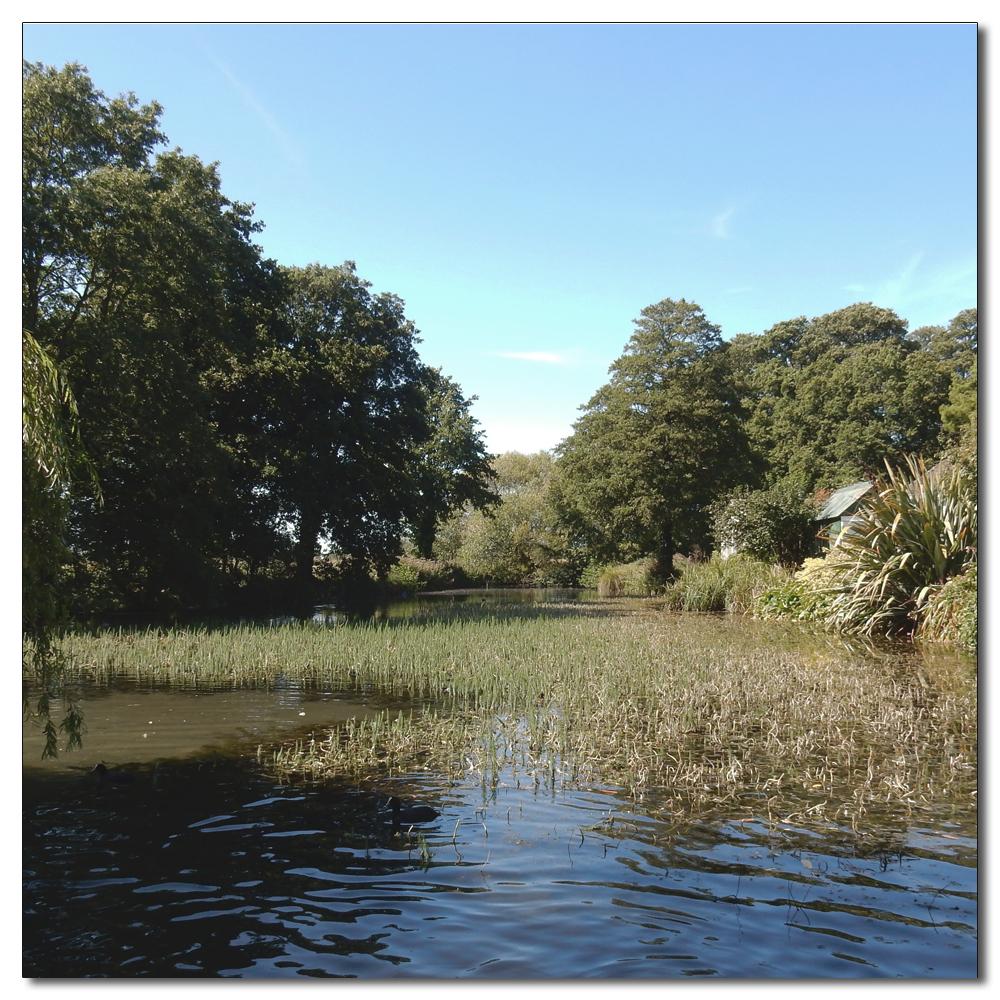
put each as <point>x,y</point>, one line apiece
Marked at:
<point>207,865</point>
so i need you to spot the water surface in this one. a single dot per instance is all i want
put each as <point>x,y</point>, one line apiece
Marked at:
<point>204,869</point>
<point>206,866</point>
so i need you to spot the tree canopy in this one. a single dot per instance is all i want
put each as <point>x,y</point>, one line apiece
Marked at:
<point>658,442</point>
<point>238,415</point>
<point>519,541</point>
<point>235,411</point>
<point>830,398</point>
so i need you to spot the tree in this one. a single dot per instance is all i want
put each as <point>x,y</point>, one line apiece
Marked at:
<point>452,467</point>
<point>657,443</point>
<point>518,541</point>
<point>955,348</point>
<point>141,282</point>
<point>830,398</point>
<point>333,413</point>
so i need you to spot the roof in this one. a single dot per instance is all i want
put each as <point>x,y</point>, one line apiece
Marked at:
<point>841,499</point>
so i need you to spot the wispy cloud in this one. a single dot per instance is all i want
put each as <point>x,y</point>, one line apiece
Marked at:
<point>545,357</point>
<point>924,294</point>
<point>894,287</point>
<point>268,120</point>
<point>719,226</point>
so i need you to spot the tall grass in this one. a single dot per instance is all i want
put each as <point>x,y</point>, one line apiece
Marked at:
<point>715,717</point>
<point>636,579</point>
<point>720,584</point>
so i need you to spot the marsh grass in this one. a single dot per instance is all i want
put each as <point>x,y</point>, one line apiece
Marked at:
<point>723,584</point>
<point>716,715</point>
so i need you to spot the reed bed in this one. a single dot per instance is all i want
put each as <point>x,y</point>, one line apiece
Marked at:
<point>704,714</point>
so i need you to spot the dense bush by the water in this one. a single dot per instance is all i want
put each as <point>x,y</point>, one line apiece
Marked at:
<point>919,532</point>
<point>773,525</point>
<point>806,595</point>
<point>412,574</point>
<point>716,584</point>
<point>907,564</point>
<point>953,612</point>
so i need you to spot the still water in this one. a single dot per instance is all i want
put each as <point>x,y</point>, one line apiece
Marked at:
<point>202,866</point>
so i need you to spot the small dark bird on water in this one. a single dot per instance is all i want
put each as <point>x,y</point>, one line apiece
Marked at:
<point>410,815</point>
<point>106,777</point>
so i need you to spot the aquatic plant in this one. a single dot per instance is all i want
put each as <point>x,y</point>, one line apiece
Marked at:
<point>721,716</point>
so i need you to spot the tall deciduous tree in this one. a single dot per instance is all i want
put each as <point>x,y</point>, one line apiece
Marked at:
<point>334,411</point>
<point>831,397</point>
<point>141,281</point>
<point>452,467</point>
<point>658,442</point>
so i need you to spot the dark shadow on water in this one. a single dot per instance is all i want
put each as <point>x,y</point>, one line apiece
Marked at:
<point>184,871</point>
<point>207,867</point>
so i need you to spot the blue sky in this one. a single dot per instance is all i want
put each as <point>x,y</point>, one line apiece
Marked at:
<point>528,189</point>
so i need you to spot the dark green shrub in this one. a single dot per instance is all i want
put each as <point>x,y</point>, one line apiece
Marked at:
<point>773,525</point>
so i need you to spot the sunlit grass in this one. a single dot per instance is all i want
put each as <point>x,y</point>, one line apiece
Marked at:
<point>713,713</point>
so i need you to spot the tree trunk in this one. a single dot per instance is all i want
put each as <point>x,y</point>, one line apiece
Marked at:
<point>426,535</point>
<point>305,548</point>
<point>664,568</point>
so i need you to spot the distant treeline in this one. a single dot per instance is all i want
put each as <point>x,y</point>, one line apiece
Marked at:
<point>198,419</point>
<point>689,423</point>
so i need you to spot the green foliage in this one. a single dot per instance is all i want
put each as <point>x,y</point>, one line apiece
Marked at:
<point>221,399</point>
<point>952,613</point>
<point>404,578</point>
<point>910,540</point>
<point>331,414</point>
<point>773,525</point>
<point>591,575</point>
<point>518,542</point>
<point>636,579</point>
<point>656,444</point>
<point>806,596</point>
<point>963,403</point>
<point>831,397</point>
<point>142,284</point>
<point>51,454</point>
<point>452,467</point>
<point>721,584</point>
<point>413,574</point>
